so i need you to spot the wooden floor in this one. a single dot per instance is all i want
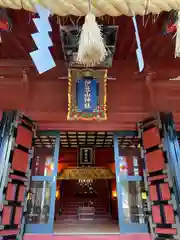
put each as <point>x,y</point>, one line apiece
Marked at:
<point>87,231</point>
<point>87,237</point>
<point>87,227</point>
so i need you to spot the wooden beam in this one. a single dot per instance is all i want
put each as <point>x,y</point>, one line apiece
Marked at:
<point>46,102</point>
<point>155,63</point>
<point>130,151</point>
<point>19,45</point>
<point>19,63</point>
<point>124,72</point>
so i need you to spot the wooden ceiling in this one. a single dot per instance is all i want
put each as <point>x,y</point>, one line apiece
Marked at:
<point>81,139</point>
<point>44,97</point>
<point>157,48</point>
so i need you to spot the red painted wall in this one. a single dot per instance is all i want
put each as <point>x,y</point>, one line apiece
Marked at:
<point>128,98</point>
<point>69,156</point>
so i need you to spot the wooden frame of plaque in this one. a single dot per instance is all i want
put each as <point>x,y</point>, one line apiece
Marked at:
<point>98,114</point>
<point>91,156</point>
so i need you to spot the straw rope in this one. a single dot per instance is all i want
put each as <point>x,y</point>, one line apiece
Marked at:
<point>99,7</point>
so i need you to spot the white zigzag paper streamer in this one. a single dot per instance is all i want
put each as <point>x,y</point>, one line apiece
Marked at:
<point>138,50</point>
<point>42,57</point>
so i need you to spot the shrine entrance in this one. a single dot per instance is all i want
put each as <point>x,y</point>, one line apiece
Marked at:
<point>86,199</point>
<point>34,177</point>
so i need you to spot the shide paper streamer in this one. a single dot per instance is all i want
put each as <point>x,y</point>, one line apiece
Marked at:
<point>139,54</point>
<point>42,57</point>
<point>138,50</point>
<point>177,46</point>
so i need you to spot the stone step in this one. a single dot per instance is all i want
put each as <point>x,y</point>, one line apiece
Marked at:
<point>81,222</point>
<point>100,208</point>
<point>97,210</point>
<point>70,210</point>
<point>63,217</point>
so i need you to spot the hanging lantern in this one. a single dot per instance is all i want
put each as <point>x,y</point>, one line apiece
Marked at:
<point>123,166</point>
<point>5,22</point>
<point>170,26</point>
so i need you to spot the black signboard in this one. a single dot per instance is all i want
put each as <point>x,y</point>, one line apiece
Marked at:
<point>86,156</point>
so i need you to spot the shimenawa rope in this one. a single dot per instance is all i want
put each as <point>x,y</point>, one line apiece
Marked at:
<point>100,7</point>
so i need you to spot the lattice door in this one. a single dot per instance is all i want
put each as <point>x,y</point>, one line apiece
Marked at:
<point>163,202</point>
<point>16,173</point>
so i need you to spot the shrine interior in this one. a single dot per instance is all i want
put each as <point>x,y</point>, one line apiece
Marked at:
<point>86,198</point>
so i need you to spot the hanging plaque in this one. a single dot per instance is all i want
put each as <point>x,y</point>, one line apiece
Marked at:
<point>87,95</point>
<point>86,156</point>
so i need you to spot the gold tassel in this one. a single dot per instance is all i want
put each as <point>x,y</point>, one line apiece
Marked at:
<point>92,50</point>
